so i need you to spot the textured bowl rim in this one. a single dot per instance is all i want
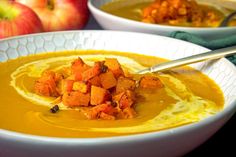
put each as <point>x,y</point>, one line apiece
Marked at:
<point>45,140</point>
<point>98,11</point>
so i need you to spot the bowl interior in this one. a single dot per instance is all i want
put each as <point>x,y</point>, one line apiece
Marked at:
<point>221,71</point>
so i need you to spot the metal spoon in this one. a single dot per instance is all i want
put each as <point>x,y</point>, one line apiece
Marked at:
<point>227,19</point>
<point>210,55</point>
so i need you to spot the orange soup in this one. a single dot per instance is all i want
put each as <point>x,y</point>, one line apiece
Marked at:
<point>179,100</point>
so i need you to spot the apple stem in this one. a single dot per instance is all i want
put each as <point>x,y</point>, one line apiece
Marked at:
<point>51,4</point>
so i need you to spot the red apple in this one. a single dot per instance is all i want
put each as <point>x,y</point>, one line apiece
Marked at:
<point>59,15</point>
<point>17,19</point>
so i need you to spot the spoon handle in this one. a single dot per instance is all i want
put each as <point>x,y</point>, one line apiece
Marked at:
<point>210,55</point>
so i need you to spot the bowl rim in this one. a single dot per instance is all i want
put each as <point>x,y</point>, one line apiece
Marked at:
<point>98,11</point>
<point>132,138</point>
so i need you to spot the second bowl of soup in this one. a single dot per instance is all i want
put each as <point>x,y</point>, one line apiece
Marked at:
<point>165,16</point>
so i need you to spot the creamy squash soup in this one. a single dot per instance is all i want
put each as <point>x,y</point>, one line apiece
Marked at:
<point>188,13</point>
<point>83,94</point>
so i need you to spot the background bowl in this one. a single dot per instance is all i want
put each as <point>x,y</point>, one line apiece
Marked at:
<point>172,142</point>
<point>112,22</point>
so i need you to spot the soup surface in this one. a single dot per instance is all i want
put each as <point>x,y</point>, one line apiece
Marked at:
<point>168,12</point>
<point>187,97</point>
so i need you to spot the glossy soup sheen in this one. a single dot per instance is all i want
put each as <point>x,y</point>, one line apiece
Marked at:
<point>20,115</point>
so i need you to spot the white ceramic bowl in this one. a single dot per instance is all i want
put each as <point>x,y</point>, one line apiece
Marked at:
<point>166,143</point>
<point>112,22</point>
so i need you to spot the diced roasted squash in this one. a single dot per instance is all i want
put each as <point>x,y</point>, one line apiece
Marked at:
<point>95,112</point>
<point>95,81</point>
<point>67,71</point>
<point>88,74</point>
<point>81,86</point>
<point>117,97</point>
<point>124,99</point>
<point>75,98</point>
<point>42,88</point>
<point>78,66</point>
<point>98,95</point>
<point>103,91</point>
<point>66,86</point>
<point>127,100</point>
<point>114,66</point>
<point>47,84</point>
<point>58,77</point>
<point>108,80</point>
<point>124,84</point>
<point>77,76</point>
<point>150,82</point>
<point>92,72</point>
<point>180,13</point>
<point>77,62</point>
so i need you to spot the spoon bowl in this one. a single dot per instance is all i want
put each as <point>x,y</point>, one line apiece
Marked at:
<point>227,19</point>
